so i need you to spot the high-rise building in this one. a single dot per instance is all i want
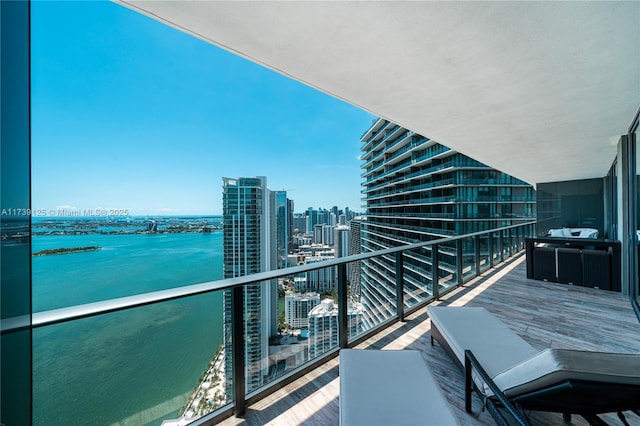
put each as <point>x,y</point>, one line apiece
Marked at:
<point>283,227</point>
<point>354,269</point>
<point>323,279</point>
<point>313,219</point>
<point>249,247</point>
<point>317,234</point>
<point>290,225</point>
<point>299,222</point>
<point>415,190</point>
<point>327,235</point>
<point>341,241</point>
<point>323,325</point>
<point>297,307</point>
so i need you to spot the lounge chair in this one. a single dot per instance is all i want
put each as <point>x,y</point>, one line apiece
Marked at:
<point>510,375</point>
<point>389,387</point>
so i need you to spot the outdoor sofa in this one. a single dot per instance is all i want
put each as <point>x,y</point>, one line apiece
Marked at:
<point>511,375</point>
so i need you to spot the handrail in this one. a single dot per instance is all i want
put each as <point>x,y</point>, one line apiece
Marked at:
<point>61,315</point>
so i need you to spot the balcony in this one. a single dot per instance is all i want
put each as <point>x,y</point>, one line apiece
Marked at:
<point>544,314</point>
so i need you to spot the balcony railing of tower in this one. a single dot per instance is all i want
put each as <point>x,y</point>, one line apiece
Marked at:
<point>379,204</point>
<point>431,152</point>
<point>389,148</point>
<point>458,162</point>
<point>414,188</point>
<point>392,131</point>
<point>472,253</point>
<point>379,122</point>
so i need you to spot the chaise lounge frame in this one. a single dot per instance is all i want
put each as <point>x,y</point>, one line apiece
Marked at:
<point>570,396</point>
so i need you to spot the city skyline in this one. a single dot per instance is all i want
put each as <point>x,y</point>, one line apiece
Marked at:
<point>130,114</point>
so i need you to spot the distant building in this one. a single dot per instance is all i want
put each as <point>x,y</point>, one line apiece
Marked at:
<point>303,240</point>
<point>299,223</point>
<point>327,235</point>
<point>341,241</point>
<point>322,279</point>
<point>297,307</point>
<point>313,219</point>
<point>300,284</point>
<point>317,234</point>
<point>323,326</point>
<point>355,247</point>
<point>249,247</point>
<point>283,227</point>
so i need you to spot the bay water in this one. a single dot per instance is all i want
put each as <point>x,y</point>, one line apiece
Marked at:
<point>132,367</point>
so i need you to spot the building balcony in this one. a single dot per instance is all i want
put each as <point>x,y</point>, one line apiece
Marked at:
<point>546,315</point>
<point>390,149</point>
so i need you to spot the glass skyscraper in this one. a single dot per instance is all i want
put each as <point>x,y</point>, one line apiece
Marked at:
<point>249,247</point>
<point>417,190</point>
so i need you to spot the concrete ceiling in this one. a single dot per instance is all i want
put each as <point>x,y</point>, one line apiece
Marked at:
<point>539,90</point>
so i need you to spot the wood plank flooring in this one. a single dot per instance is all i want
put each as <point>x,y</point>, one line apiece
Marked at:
<point>544,314</point>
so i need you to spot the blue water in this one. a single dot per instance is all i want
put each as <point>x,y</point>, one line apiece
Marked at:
<point>137,366</point>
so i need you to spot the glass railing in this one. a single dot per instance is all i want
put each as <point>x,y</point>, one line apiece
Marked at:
<point>458,162</point>
<point>274,327</point>
<point>451,199</point>
<point>388,149</point>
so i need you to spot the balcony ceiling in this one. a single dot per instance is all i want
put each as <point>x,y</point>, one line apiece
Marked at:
<point>539,90</point>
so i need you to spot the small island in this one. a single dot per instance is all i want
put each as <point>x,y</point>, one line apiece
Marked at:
<point>65,250</point>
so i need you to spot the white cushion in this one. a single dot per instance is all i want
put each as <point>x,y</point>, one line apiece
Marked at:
<point>553,366</point>
<point>556,233</point>
<point>588,233</point>
<point>389,388</point>
<point>566,232</point>
<point>493,343</point>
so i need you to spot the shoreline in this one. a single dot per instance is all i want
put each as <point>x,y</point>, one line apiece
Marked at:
<point>208,395</point>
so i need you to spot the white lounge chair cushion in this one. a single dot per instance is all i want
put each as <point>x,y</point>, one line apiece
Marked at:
<point>493,343</point>
<point>390,387</point>
<point>553,366</point>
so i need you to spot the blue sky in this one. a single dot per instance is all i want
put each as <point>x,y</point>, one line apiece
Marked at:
<point>130,113</point>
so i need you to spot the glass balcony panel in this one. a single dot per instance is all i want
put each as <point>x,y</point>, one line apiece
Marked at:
<point>417,277</point>
<point>447,265</point>
<point>378,292</point>
<point>139,366</point>
<point>468,258</point>
<point>304,329</point>
<point>485,259</point>
<point>497,247</point>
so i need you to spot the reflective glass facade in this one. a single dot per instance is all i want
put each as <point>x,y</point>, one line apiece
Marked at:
<point>572,204</point>
<point>417,190</point>
<point>250,247</point>
<point>15,203</point>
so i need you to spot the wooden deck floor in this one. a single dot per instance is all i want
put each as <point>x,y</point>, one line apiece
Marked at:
<point>544,314</point>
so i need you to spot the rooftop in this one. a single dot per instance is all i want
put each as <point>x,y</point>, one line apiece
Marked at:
<point>547,315</point>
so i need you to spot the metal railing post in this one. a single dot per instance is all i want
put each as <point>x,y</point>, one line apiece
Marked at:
<point>237,345</point>
<point>510,240</point>
<point>435,276</point>
<point>491,250</point>
<point>343,315</point>
<point>476,241</point>
<point>459,261</point>
<point>400,285</point>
